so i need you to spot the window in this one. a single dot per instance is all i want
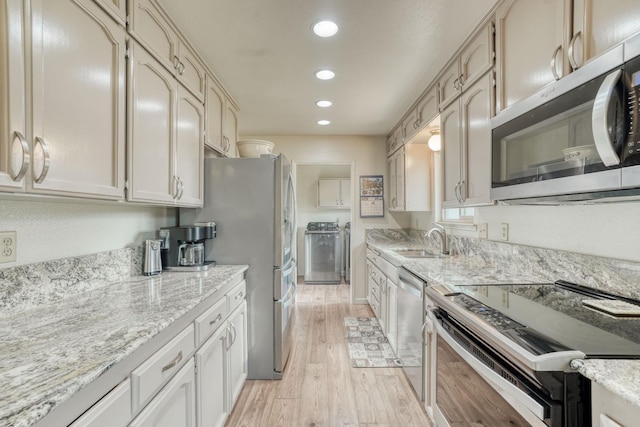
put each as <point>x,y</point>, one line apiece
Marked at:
<point>458,214</point>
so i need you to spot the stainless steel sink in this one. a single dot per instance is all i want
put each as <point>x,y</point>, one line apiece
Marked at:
<point>415,253</point>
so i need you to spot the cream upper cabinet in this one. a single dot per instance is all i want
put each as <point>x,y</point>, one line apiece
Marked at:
<point>410,178</point>
<point>334,193</point>
<point>166,136</point>
<point>529,58</point>
<point>409,125</point>
<point>599,25</point>
<point>15,151</point>
<point>394,141</point>
<point>475,59</point>
<point>116,8</point>
<point>153,29</point>
<point>427,108</point>
<point>214,115</point>
<point>78,87</point>
<point>230,129</point>
<point>466,134</point>
<point>189,149</point>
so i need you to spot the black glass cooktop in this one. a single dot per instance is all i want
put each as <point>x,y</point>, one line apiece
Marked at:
<point>554,317</point>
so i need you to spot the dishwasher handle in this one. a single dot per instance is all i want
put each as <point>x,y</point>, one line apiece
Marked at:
<point>410,282</point>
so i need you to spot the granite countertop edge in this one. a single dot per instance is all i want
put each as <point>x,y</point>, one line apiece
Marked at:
<point>146,306</point>
<point>621,377</point>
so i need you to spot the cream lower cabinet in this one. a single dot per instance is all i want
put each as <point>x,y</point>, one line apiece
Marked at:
<point>611,410</point>
<point>222,369</point>
<point>382,294</point>
<point>113,410</point>
<point>166,136</point>
<point>466,133</point>
<point>78,90</point>
<point>174,405</point>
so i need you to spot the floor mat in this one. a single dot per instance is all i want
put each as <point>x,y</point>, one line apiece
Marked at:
<point>368,347</point>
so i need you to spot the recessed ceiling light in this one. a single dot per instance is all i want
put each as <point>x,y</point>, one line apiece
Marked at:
<point>325,74</point>
<point>325,28</point>
<point>324,104</point>
<point>323,122</point>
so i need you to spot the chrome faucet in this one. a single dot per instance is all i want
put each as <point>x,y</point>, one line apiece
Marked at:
<point>444,246</point>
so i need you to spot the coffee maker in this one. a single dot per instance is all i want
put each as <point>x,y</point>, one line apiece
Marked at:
<point>183,246</point>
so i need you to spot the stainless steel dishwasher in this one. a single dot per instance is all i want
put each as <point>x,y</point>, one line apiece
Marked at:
<point>410,321</point>
<point>323,253</point>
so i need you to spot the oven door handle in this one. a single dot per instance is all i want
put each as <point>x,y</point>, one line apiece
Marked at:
<point>599,122</point>
<point>531,410</point>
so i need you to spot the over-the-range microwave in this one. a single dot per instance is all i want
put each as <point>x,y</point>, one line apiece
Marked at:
<point>577,139</point>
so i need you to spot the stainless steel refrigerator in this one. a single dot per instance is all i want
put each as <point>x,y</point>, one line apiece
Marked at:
<point>252,202</point>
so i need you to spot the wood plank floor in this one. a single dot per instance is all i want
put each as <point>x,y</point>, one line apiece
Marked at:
<point>320,388</point>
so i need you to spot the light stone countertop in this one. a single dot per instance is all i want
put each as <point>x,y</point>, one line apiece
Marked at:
<point>621,377</point>
<point>50,352</point>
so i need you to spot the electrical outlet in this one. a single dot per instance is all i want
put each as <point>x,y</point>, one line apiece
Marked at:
<point>7,246</point>
<point>505,299</point>
<point>505,231</point>
<point>482,230</point>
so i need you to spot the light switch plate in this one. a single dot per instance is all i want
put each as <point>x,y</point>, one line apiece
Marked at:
<point>7,246</point>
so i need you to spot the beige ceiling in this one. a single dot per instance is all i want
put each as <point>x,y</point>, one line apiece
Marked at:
<point>384,56</point>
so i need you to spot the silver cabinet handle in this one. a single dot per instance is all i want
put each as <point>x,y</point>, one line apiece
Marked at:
<point>226,144</point>
<point>461,80</point>
<point>571,51</point>
<point>181,68</point>
<point>176,62</point>
<point>393,202</point>
<point>239,296</point>
<point>46,163</point>
<point>424,325</point>
<point>181,187</point>
<point>26,156</point>
<point>462,197</point>
<point>599,123</point>
<point>216,320</point>
<point>234,333</point>
<point>456,84</point>
<point>455,190</point>
<point>229,341</point>
<point>554,71</point>
<point>173,363</point>
<point>176,188</point>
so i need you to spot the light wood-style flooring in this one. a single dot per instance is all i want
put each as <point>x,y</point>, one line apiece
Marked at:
<point>320,388</point>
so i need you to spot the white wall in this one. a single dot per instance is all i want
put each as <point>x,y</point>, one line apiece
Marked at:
<point>610,230</point>
<point>49,230</point>
<point>369,157</point>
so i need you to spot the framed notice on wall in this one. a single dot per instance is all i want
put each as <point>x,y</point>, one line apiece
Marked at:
<point>371,196</point>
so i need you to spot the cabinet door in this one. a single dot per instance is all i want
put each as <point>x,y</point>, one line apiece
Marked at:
<point>116,8</point>
<point>345,193</point>
<point>191,71</point>
<point>410,126</point>
<point>449,84</point>
<point>328,193</point>
<point>599,25</point>
<point>477,102</point>
<point>189,149</point>
<point>450,133</point>
<point>214,113</point>
<point>427,109</point>
<point>524,60</point>
<point>152,95</point>
<point>113,410</point>
<point>238,353</point>
<point>231,129</point>
<point>392,314</point>
<point>400,179</point>
<point>78,100</point>
<point>174,405</point>
<point>150,27</point>
<point>391,168</point>
<point>477,57</point>
<point>211,381</point>
<point>14,148</point>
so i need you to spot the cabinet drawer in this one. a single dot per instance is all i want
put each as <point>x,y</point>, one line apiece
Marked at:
<point>146,378</point>
<point>237,295</point>
<point>211,320</point>
<point>113,410</point>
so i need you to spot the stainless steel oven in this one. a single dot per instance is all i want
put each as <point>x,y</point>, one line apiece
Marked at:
<point>577,139</point>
